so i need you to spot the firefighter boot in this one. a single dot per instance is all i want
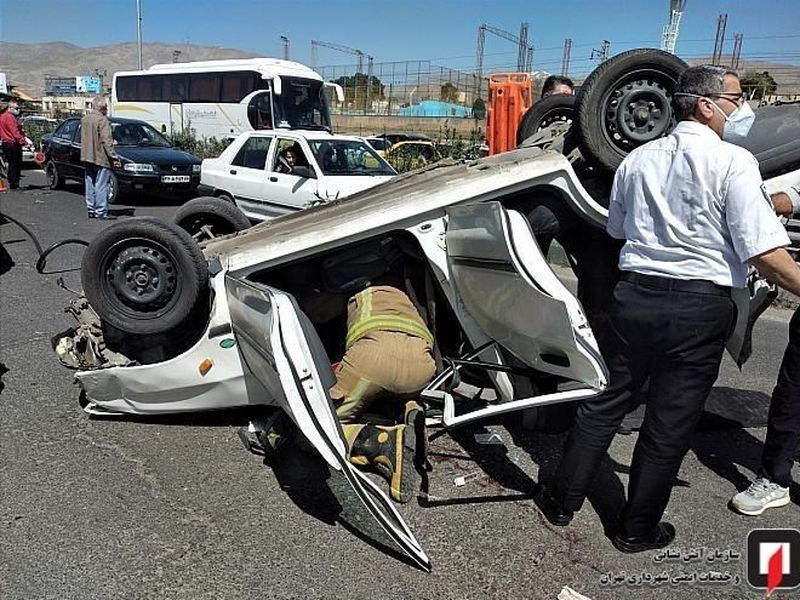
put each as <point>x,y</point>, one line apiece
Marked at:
<point>390,452</point>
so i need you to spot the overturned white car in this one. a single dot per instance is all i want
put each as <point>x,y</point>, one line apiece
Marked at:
<point>170,326</point>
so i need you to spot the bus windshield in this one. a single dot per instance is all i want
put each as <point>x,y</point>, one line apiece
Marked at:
<point>301,105</point>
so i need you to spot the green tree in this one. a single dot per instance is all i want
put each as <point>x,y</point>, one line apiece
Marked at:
<point>757,85</point>
<point>449,93</point>
<point>479,109</point>
<point>355,87</point>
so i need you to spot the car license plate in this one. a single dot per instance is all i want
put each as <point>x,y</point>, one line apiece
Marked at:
<point>175,179</point>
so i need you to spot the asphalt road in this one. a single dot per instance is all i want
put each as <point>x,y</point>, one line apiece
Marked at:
<point>176,508</point>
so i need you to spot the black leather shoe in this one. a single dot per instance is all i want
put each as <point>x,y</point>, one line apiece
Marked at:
<point>91,215</point>
<point>551,508</point>
<point>661,536</point>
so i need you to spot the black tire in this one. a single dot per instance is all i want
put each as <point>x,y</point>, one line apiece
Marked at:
<point>626,102</point>
<point>54,179</point>
<point>207,214</point>
<point>144,276</point>
<point>549,110</point>
<point>113,189</point>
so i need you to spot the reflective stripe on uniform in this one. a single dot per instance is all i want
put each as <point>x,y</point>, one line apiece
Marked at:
<point>390,323</point>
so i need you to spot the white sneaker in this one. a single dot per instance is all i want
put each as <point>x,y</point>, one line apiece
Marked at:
<point>761,495</point>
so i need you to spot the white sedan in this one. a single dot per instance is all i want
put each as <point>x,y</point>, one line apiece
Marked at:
<point>254,173</point>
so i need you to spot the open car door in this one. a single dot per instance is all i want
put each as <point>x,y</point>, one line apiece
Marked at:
<point>279,345</point>
<point>509,289</point>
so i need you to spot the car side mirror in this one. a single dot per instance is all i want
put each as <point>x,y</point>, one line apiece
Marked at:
<point>303,171</point>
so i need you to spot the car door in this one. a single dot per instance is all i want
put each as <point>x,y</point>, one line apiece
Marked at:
<point>508,288</point>
<point>60,146</point>
<point>74,154</point>
<point>280,348</point>
<point>289,190</point>
<point>245,176</point>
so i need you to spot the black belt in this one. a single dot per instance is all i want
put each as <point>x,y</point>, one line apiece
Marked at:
<point>695,286</point>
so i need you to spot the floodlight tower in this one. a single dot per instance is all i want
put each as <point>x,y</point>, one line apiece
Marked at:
<point>670,34</point>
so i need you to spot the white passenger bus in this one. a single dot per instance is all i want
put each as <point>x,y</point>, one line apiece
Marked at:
<point>223,98</point>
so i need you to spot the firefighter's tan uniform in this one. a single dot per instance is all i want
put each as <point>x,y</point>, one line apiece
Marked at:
<point>389,354</point>
<point>389,350</point>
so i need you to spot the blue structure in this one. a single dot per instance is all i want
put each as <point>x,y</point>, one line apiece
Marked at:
<point>435,108</point>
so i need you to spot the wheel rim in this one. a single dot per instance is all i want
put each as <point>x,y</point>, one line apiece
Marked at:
<point>140,276</point>
<point>203,227</point>
<point>557,115</point>
<point>637,109</point>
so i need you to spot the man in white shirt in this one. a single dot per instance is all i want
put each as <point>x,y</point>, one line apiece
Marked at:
<point>771,488</point>
<point>693,213</point>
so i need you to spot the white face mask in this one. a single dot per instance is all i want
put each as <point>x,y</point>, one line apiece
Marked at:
<point>737,124</point>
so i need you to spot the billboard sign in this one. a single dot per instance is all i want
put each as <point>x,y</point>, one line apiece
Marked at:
<point>59,85</point>
<point>89,84</point>
<point>3,84</point>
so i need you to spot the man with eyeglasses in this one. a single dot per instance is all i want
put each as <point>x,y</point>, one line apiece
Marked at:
<point>692,212</point>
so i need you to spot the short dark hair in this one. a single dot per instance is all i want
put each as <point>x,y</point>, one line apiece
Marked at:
<point>551,82</point>
<point>702,80</point>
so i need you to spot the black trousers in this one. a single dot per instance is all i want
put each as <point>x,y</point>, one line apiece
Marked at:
<point>676,338</point>
<point>12,152</point>
<point>783,425</point>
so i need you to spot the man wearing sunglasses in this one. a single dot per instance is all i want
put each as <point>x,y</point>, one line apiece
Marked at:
<point>693,213</point>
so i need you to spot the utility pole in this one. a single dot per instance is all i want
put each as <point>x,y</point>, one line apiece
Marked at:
<point>565,57</point>
<point>601,55</point>
<point>669,36</point>
<point>737,50</point>
<point>139,30</point>
<point>522,52</point>
<point>285,41</point>
<point>719,42</point>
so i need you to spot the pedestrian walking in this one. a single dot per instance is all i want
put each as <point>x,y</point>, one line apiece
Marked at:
<point>692,212</point>
<point>97,155</point>
<point>12,138</point>
<point>771,487</point>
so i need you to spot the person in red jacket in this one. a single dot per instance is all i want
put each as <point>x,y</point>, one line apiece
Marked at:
<point>12,138</point>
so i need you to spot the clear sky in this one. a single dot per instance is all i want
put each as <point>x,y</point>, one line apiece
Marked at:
<point>444,32</point>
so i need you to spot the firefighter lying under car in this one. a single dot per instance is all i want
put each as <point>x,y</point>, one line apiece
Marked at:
<point>388,360</point>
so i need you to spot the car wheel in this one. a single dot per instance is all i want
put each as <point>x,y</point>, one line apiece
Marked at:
<point>559,108</point>
<point>144,276</point>
<point>626,102</point>
<point>207,217</point>
<point>54,180</point>
<point>113,190</point>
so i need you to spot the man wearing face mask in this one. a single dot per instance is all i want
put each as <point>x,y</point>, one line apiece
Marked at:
<point>692,212</point>
<point>12,138</point>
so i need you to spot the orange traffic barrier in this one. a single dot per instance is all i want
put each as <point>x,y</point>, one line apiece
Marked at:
<point>510,96</point>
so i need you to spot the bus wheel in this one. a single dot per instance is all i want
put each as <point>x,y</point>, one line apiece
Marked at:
<point>206,218</point>
<point>143,276</point>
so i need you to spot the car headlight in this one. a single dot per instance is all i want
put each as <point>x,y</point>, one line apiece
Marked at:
<point>139,168</point>
<point>195,168</point>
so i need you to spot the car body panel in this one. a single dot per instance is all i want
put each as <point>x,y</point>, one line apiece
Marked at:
<point>507,286</point>
<point>425,195</point>
<point>177,385</point>
<point>278,350</point>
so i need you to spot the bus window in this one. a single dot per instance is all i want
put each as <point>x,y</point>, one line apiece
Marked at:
<point>259,111</point>
<point>175,88</point>
<point>302,104</point>
<point>204,87</point>
<point>236,85</point>
<point>126,88</point>
<point>149,88</point>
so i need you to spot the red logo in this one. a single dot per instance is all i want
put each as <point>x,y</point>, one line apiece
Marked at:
<point>773,559</point>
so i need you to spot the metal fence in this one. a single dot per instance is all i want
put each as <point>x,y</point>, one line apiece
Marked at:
<point>390,87</point>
